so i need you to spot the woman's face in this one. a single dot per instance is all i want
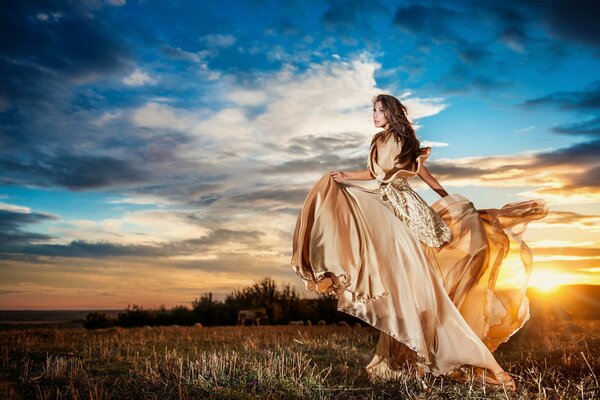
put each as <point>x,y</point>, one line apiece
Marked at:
<point>379,118</point>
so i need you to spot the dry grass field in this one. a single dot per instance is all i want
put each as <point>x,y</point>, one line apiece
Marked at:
<point>548,359</point>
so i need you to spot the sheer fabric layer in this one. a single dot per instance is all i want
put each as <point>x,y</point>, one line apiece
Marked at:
<point>470,265</point>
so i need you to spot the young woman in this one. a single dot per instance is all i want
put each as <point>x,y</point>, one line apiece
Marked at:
<point>424,276</point>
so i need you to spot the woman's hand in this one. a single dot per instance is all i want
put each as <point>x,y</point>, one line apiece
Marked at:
<point>339,175</point>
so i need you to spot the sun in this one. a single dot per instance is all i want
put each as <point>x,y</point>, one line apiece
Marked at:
<point>546,281</point>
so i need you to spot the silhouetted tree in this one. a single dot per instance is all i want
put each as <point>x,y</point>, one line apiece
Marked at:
<point>281,304</point>
<point>98,320</point>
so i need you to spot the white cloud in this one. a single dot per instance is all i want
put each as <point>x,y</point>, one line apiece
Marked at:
<point>256,124</point>
<point>419,107</point>
<point>179,54</point>
<point>559,243</point>
<point>247,97</point>
<point>523,130</point>
<point>107,117</point>
<point>138,78</point>
<point>331,99</point>
<point>140,200</point>
<point>219,40</point>
<point>157,116</point>
<point>55,16</point>
<point>209,74</point>
<point>117,3</point>
<point>326,99</point>
<point>134,227</point>
<point>15,208</point>
<point>427,143</point>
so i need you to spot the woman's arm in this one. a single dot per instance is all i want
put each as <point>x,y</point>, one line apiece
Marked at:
<point>363,175</point>
<point>431,181</point>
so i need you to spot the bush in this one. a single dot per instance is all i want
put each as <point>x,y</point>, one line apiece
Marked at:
<point>281,305</point>
<point>98,320</point>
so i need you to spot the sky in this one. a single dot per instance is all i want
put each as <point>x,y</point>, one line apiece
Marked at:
<point>153,151</point>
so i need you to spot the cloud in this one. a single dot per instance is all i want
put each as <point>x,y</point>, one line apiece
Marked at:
<point>568,218</point>
<point>45,54</point>
<point>72,171</point>
<point>523,130</point>
<point>577,166</point>
<point>562,19</point>
<point>218,40</point>
<point>179,54</point>
<point>590,127</point>
<point>14,208</point>
<point>571,21</point>
<point>490,23</point>
<point>549,243</point>
<point>565,175</point>
<point>140,199</point>
<point>587,99</point>
<point>282,25</point>
<point>473,55</point>
<point>138,78</point>
<point>53,17</point>
<point>13,220</point>
<point>433,21</point>
<point>347,15</point>
<point>107,117</point>
<point>453,81</point>
<point>82,249</point>
<point>427,143</point>
<point>254,155</point>
<point>217,244</point>
<point>326,98</point>
<point>162,116</point>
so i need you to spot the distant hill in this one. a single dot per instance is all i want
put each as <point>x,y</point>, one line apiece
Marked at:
<point>566,302</point>
<point>47,318</point>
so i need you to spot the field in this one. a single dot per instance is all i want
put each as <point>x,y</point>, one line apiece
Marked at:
<point>548,359</point>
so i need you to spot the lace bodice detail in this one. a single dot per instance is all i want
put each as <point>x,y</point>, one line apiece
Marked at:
<point>423,221</point>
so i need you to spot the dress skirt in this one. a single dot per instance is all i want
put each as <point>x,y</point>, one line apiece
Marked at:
<point>436,306</point>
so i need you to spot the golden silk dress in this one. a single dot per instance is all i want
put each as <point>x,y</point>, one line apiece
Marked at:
<point>424,276</point>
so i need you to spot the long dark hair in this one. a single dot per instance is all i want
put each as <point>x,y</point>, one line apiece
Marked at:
<point>400,127</point>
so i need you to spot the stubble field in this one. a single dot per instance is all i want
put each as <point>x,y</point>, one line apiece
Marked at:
<point>548,359</point>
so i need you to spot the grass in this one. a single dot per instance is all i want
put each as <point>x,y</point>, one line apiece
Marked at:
<point>548,359</point>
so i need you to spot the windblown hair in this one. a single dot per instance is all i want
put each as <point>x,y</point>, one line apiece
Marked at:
<point>400,127</point>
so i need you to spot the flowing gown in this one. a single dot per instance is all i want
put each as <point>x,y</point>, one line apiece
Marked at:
<point>424,276</point>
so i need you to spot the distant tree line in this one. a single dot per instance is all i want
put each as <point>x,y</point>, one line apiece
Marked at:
<point>282,305</point>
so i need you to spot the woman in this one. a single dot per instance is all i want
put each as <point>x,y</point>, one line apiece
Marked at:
<point>424,276</point>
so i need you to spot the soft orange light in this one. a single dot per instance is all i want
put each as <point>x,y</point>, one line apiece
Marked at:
<point>547,281</point>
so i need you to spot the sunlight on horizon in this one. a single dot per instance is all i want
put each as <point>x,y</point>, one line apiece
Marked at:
<point>547,275</point>
<point>548,281</point>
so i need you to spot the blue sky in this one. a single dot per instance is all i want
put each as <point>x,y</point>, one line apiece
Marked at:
<point>153,151</point>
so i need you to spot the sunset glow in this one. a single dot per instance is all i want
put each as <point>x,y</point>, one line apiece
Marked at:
<point>548,281</point>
